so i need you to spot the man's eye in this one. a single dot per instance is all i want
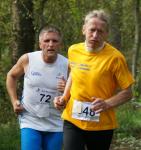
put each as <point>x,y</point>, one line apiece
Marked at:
<point>46,41</point>
<point>55,41</point>
<point>100,31</point>
<point>92,30</point>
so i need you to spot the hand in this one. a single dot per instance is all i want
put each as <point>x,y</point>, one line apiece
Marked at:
<point>17,106</point>
<point>99,105</point>
<point>61,84</point>
<point>59,102</point>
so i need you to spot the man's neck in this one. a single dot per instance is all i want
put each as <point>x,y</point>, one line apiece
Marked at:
<point>49,59</point>
<point>90,49</point>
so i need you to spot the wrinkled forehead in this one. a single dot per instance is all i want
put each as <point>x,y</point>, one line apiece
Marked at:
<point>49,35</point>
<point>97,23</point>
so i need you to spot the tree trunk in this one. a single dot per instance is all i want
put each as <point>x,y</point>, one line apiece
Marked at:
<point>23,29</point>
<point>136,39</point>
<point>136,47</point>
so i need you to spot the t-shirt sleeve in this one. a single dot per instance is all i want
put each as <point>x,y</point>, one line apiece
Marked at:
<point>121,73</point>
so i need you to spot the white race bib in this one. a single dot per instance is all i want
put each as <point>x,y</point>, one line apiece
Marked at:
<point>82,111</point>
<point>44,96</point>
<point>41,101</point>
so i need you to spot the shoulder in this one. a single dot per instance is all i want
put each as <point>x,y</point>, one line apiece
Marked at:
<point>77,45</point>
<point>63,58</point>
<point>114,52</point>
<point>75,48</point>
<point>23,59</point>
<point>19,68</point>
<point>34,53</point>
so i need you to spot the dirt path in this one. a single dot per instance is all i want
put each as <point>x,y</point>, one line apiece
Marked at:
<point>130,143</point>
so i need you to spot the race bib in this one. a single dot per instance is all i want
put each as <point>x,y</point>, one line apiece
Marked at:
<point>82,111</point>
<point>40,102</point>
<point>44,96</point>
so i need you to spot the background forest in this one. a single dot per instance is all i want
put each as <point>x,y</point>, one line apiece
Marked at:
<point>20,21</point>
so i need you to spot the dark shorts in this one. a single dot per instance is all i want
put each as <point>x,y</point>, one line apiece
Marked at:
<point>78,139</point>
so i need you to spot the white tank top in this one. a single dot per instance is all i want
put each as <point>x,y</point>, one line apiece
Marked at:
<point>40,88</point>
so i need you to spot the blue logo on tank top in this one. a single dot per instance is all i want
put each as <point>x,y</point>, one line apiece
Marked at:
<point>34,73</point>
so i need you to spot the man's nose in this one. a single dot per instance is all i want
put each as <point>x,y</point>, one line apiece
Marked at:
<point>95,34</point>
<point>50,43</point>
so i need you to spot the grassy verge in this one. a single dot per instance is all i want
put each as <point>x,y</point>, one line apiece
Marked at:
<point>128,135</point>
<point>9,136</point>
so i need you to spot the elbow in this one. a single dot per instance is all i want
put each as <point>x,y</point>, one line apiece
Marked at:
<point>10,77</point>
<point>129,94</point>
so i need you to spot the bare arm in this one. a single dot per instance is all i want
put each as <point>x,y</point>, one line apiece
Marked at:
<point>11,82</point>
<point>62,83</point>
<point>66,94</point>
<point>60,101</point>
<point>123,96</point>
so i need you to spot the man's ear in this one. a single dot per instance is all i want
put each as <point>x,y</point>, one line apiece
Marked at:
<point>83,29</point>
<point>40,45</point>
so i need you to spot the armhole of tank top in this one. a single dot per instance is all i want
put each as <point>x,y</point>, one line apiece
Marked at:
<point>67,69</point>
<point>65,61</point>
<point>27,69</point>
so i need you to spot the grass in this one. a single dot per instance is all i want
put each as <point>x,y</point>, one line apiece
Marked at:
<point>129,118</point>
<point>126,137</point>
<point>9,136</point>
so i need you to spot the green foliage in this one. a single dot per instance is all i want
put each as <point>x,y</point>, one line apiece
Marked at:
<point>5,25</point>
<point>127,136</point>
<point>9,136</point>
<point>129,120</point>
<point>6,112</point>
<point>127,29</point>
<point>68,16</point>
<point>9,130</point>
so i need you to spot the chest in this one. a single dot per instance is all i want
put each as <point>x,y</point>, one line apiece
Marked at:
<point>44,76</point>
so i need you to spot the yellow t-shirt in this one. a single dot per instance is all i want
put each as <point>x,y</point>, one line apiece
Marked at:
<point>96,74</point>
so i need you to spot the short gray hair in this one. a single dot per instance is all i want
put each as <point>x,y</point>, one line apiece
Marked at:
<point>47,29</point>
<point>101,14</point>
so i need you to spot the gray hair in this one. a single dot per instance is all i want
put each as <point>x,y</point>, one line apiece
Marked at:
<point>47,29</point>
<point>101,14</point>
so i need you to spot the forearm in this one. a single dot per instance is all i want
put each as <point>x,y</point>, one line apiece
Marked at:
<point>99,104</point>
<point>120,98</point>
<point>11,88</point>
<point>66,94</point>
<point>61,101</point>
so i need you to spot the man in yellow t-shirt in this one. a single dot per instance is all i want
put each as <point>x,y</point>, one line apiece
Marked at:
<point>97,71</point>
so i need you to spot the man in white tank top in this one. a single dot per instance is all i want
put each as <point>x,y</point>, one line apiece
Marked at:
<point>45,74</point>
